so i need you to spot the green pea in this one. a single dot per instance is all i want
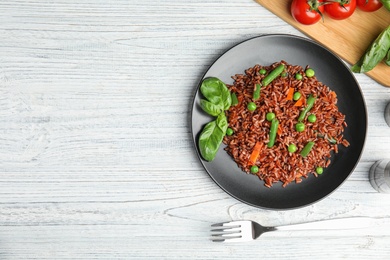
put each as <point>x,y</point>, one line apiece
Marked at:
<point>254,169</point>
<point>298,76</point>
<point>297,95</point>
<point>251,106</point>
<point>292,148</point>
<point>300,127</point>
<point>270,116</point>
<point>262,71</point>
<point>319,170</point>
<point>310,73</point>
<point>312,118</point>
<point>229,131</point>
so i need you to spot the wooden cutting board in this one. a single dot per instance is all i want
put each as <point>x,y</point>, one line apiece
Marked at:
<point>347,38</point>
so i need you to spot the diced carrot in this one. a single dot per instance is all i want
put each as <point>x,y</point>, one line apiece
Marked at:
<point>333,94</point>
<point>290,94</point>
<point>280,130</point>
<point>300,102</point>
<point>255,153</point>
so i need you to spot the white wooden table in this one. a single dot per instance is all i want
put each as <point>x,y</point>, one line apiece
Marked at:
<point>96,155</point>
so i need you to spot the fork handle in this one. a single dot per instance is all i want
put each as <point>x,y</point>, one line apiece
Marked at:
<point>341,223</point>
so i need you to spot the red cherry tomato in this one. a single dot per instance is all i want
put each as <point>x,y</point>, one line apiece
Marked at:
<point>369,5</point>
<point>306,11</point>
<point>340,10</point>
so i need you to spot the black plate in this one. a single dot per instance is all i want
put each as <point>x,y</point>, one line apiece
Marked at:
<point>330,70</point>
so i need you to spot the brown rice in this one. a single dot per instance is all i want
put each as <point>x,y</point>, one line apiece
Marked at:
<point>276,163</point>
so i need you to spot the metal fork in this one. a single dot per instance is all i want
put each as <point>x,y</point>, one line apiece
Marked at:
<point>247,230</point>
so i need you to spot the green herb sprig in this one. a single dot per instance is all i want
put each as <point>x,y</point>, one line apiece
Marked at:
<point>376,52</point>
<point>218,99</point>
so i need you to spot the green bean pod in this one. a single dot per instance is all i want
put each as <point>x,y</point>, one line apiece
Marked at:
<point>272,75</point>
<point>256,94</point>
<point>306,150</point>
<point>272,132</point>
<point>309,105</point>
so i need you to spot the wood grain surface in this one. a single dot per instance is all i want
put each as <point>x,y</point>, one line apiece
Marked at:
<point>96,155</point>
<point>348,38</point>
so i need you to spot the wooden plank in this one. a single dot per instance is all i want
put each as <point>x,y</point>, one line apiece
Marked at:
<point>348,38</point>
<point>96,156</point>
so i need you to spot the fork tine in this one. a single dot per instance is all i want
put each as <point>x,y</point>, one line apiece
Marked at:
<point>232,239</point>
<point>226,224</point>
<point>226,228</point>
<point>227,236</point>
<point>225,232</point>
<point>220,224</point>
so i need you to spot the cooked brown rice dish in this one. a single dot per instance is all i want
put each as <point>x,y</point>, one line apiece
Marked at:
<point>288,159</point>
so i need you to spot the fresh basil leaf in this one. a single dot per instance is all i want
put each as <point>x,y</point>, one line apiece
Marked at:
<point>387,61</point>
<point>216,92</point>
<point>386,3</point>
<point>357,66</point>
<point>211,108</point>
<point>209,140</point>
<point>218,99</point>
<point>226,96</point>
<point>222,122</point>
<point>375,53</point>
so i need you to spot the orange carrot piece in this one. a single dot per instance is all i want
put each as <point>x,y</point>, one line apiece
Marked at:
<point>299,102</point>
<point>333,94</point>
<point>255,153</point>
<point>280,130</point>
<point>290,94</point>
